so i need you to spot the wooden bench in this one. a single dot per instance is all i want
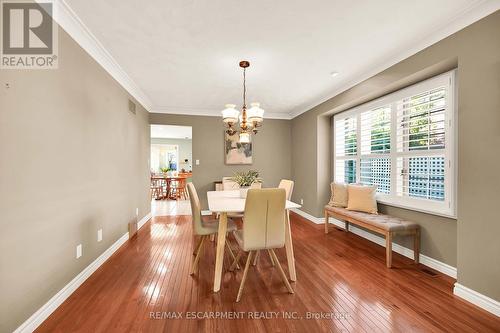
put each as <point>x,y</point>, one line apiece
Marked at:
<point>382,224</point>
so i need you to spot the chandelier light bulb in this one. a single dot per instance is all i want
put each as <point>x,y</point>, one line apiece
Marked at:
<point>245,137</point>
<point>230,114</point>
<point>255,113</point>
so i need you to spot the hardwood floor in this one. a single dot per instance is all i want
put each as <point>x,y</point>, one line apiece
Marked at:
<point>339,274</point>
<point>170,207</point>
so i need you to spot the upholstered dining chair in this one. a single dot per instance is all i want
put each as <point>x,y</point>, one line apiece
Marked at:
<point>228,184</point>
<point>263,229</point>
<point>203,229</point>
<point>287,185</point>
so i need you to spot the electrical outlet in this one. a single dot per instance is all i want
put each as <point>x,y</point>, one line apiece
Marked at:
<point>99,235</point>
<point>301,201</point>
<point>78,251</point>
<point>197,162</point>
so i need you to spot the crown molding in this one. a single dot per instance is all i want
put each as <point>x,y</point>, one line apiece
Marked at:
<point>211,112</point>
<point>462,19</point>
<point>74,26</point>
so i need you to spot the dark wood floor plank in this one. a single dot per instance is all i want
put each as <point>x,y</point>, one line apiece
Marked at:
<point>339,273</point>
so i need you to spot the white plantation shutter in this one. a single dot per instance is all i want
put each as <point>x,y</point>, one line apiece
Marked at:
<point>376,131</point>
<point>345,171</point>
<point>346,141</point>
<point>421,177</point>
<point>346,149</point>
<point>421,144</point>
<point>376,171</point>
<point>376,140</point>
<point>421,121</point>
<point>404,144</point>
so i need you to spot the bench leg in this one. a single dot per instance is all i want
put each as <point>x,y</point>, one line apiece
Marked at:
<point>416,246</point>
<point>388,249</point>
<point>346,226</point>
<point>326,221</point>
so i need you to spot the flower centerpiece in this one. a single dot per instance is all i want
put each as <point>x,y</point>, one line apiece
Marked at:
<point>245,180</point>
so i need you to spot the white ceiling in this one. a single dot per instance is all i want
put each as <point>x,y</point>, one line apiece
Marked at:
<point>171,132</point>
<point>183,54</point>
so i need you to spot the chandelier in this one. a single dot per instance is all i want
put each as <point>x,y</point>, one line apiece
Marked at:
<point>249,119</point>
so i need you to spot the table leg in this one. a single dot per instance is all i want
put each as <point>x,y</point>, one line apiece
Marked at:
<point>219,257</point>
<point>289,248</point>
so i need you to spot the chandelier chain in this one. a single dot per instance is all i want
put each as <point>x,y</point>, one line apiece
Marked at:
<point>244,87</point>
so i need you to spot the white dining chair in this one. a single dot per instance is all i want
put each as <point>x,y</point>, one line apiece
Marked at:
<point>203,229</point>
<point>263,229</point>
<point>287,185</point>
<point>229,185</point>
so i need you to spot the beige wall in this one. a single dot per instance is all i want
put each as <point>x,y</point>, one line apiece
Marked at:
<point>471,242</point>
<point>73,159</point>
<point>271,150</point>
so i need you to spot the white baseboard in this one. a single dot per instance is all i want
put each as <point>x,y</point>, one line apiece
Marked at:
<point>46,310</point>
<point>424,260</point>
<point>143,220</point>
<point>206,212</point>
<point>317,220</point>
<point>484,302</point>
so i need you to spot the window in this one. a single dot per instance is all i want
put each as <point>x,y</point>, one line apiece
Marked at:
<point>404,144</point>
<point>164,156</point>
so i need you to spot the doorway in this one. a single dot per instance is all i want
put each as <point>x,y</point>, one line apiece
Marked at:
<point>171,169</point>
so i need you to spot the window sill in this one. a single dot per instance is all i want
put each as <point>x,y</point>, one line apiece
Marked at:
<point>392,204</point>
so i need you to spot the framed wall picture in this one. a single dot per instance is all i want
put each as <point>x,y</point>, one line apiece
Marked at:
<point>236,152</point>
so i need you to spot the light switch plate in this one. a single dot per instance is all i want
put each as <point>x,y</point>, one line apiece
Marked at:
<point>301,201</point>
<point>99,235</point>
<point>78,251</point>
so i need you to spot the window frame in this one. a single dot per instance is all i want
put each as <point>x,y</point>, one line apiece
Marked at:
<point>447,208</point>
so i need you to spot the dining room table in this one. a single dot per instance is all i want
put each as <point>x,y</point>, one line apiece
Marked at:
<point>224,202</point>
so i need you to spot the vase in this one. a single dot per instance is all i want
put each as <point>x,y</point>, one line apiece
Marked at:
<point>243,191</point>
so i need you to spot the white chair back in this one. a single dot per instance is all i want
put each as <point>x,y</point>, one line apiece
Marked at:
<point>264,220</point>
<point>256,185</point>
<point>288,186</point>
<point>228,184</point>
<point>198,227</point>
